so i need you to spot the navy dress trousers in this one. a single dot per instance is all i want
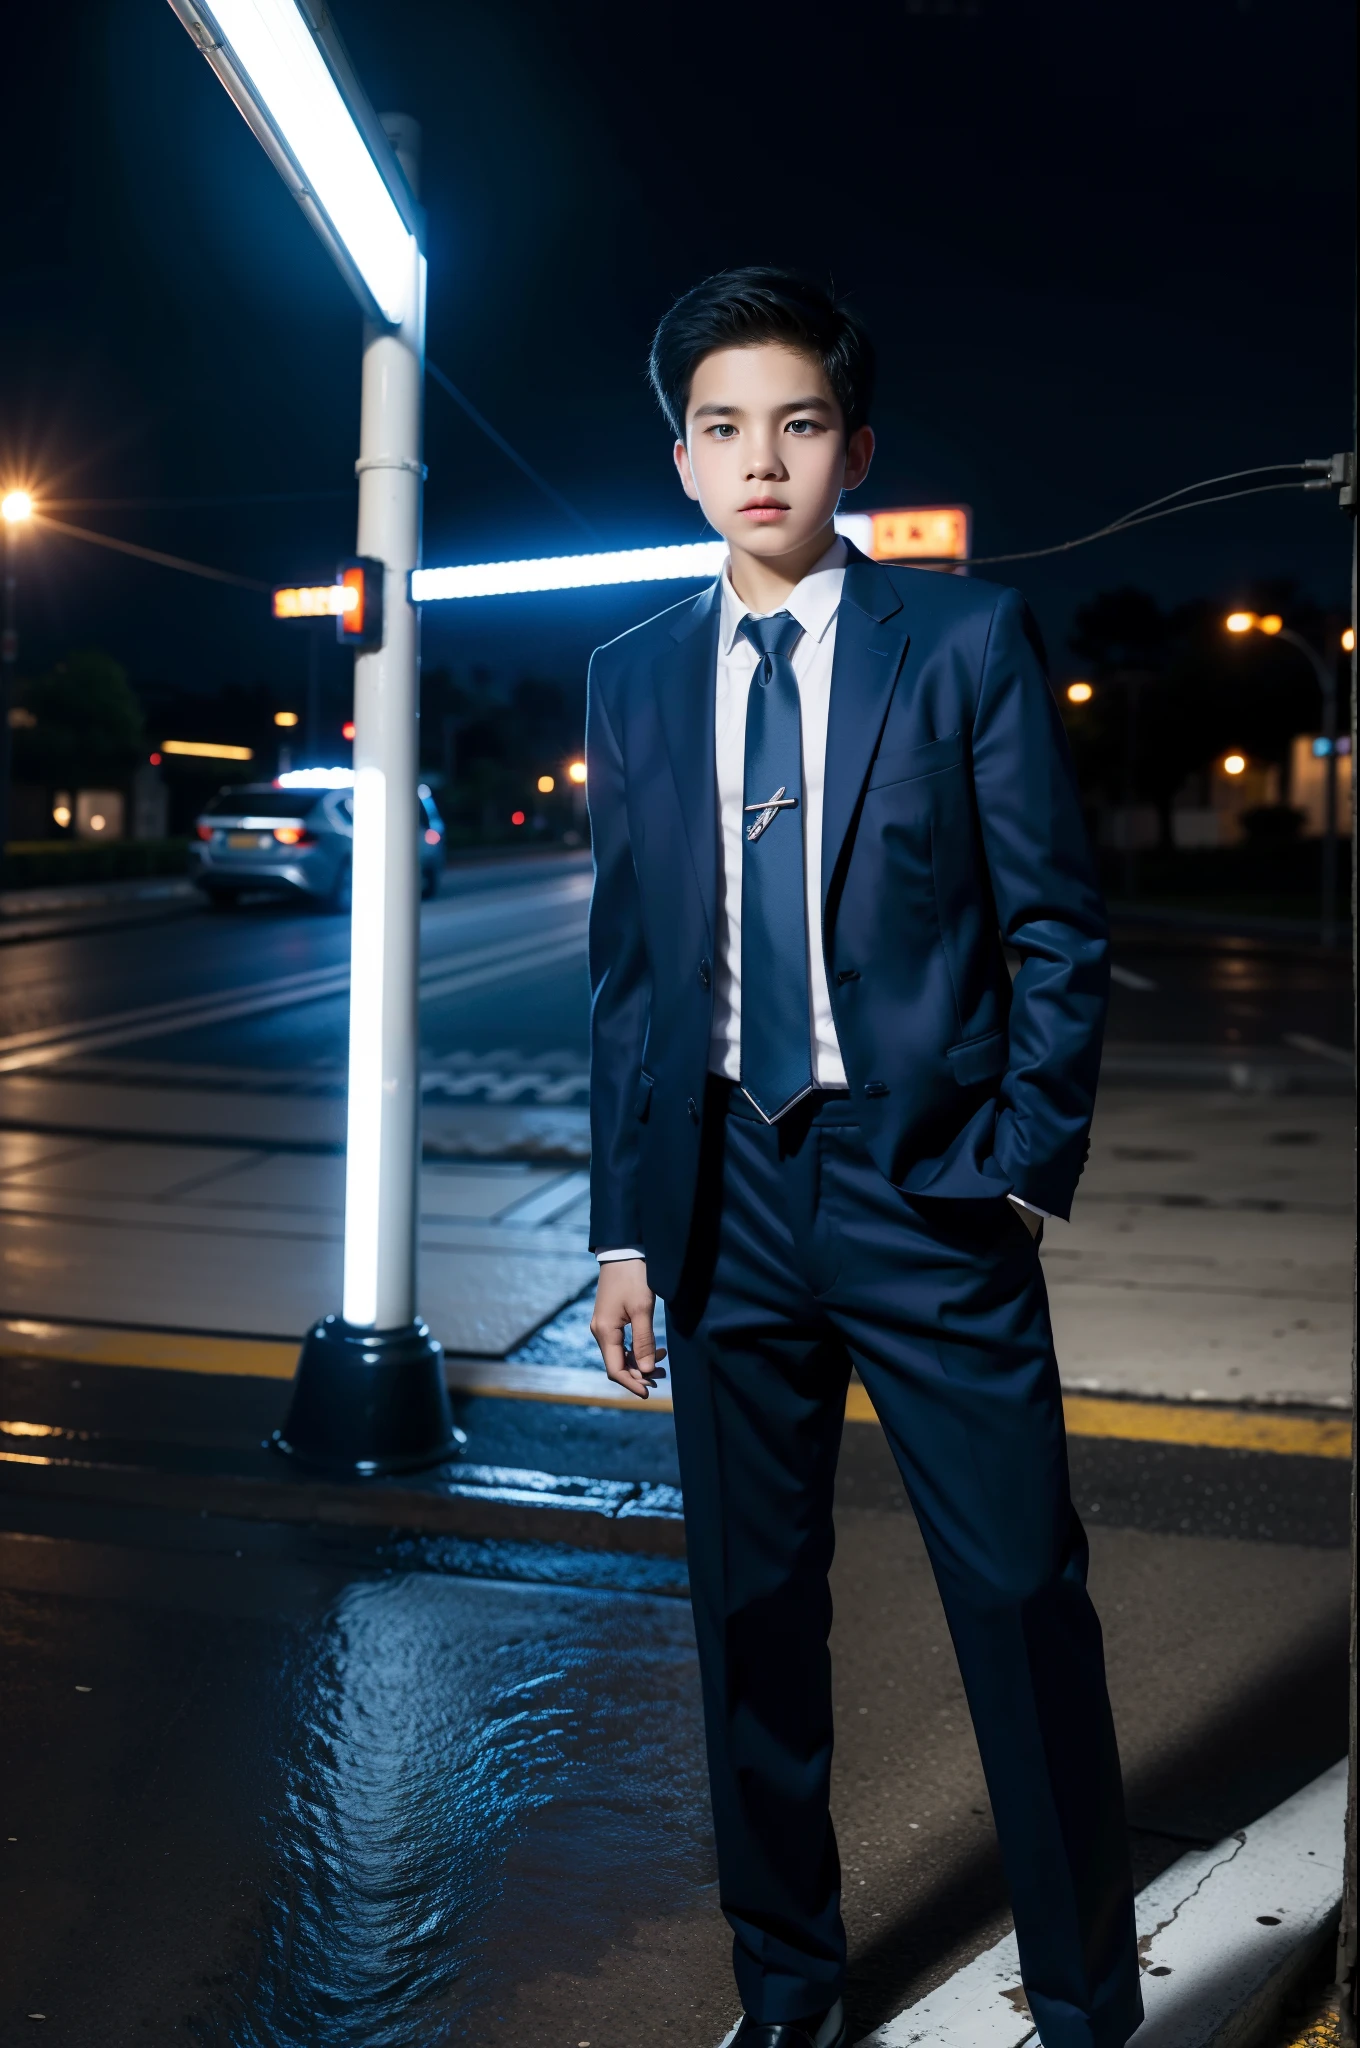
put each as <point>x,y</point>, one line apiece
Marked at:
<point>869,1229</point>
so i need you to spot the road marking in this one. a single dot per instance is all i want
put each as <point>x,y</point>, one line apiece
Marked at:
<point>438,978</point>
<point>1126,978</point>
<point>1193,1423</point>
<point>1339,1055</point>
<point>1182,1422</point>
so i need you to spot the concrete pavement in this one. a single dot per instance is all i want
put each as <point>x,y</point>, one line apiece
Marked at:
<point>1208,1258</point>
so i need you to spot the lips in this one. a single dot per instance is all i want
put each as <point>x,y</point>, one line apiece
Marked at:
<point>762,510</point>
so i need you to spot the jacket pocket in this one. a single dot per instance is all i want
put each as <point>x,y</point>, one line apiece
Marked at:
<point>906,764</point>
<point>642,1101</point>
<point>978,1059</point>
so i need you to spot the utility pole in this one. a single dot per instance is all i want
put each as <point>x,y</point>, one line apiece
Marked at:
<point>9,655</point>
<point>16,510</point>
<point>369,1394</point>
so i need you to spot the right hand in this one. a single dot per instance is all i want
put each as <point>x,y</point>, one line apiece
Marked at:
<point>623,1297</point>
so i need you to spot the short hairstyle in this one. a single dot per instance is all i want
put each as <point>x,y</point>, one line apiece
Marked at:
<point>738,309</point>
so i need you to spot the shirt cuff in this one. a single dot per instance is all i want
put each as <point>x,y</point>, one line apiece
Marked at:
<point>1033,1207</point>
<point>627,1251</point>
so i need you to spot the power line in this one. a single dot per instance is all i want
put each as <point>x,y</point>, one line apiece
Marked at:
<point>498,440</point>
<point>189,504</point>
<point>127,547</point>
<point>1142,515</point>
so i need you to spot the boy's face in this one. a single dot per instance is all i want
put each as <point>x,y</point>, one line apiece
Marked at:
<point>765,450</point>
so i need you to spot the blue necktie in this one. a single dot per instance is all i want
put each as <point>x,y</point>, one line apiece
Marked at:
<point>776,1034</point>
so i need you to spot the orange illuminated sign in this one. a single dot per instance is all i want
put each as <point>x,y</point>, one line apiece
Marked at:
<point>354,601</point>
<point>933,533</point>
<point>318,600</point>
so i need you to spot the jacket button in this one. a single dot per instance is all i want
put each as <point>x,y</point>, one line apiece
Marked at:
<point>705,974</point>
<point>876,1088</point>
<point>845,974</point>
<point>693,1108</point>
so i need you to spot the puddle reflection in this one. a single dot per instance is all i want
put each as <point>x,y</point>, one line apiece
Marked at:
<point>477,1780</point>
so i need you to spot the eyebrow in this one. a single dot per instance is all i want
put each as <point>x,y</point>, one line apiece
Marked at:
<point>795,405</point>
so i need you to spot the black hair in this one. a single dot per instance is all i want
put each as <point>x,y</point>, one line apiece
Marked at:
<point>738,308</point>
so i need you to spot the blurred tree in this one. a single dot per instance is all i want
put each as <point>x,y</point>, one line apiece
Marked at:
<point>86,728</point>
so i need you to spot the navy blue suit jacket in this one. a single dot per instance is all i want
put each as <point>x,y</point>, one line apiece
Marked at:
<point>951,826</point>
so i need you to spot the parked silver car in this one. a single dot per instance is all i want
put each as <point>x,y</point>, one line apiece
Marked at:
<point>262,837</point>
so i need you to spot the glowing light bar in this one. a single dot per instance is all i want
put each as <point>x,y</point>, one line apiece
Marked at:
<point>207,750</point>
<point>317,601</point>
<point>694,561</point>
<point>315,778</point>
<point>922,532</point>
<point>270,62</point>
<point>367,1074</point>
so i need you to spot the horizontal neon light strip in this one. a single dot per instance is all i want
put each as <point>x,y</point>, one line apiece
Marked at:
<point>696,561</point>
<point>207,750</point>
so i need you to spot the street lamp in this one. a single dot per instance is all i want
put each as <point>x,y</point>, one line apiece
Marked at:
<point>1079,693</point>
<point>1274,628</point>
<point>16,510</point>
<point>369,1395</point>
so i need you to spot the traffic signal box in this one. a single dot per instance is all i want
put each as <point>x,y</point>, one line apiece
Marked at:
<point>360,624</point>
<point>354,601</point>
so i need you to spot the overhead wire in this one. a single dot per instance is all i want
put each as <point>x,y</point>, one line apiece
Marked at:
<point>512,454</point>
<point>163,561</point>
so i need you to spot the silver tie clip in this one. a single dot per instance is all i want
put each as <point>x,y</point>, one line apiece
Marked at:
<point>772,805</point>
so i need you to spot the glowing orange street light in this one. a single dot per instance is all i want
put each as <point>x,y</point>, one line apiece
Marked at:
<point>1348,640</point>
<point>577,772</point>
<point>1270,623</point>
<point>546,785</point>
<point>1234,764</point>
<point>285,718</point>
<point>16,507</point>
<point>1079,693</point>
<point>1240,622</point>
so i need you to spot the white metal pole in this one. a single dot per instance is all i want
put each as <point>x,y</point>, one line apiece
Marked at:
<point>381,1183</point>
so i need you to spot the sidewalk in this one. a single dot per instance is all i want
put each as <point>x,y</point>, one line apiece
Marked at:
<point>1209,1257</point>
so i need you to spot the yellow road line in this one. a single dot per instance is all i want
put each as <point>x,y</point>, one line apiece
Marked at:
<point>164,1350</point>
<point>1182,1422</point>
<point>1169,1422</point>
<point>1225,1429</point>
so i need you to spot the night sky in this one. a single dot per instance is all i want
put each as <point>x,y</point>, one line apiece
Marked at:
<point>1104,251</point>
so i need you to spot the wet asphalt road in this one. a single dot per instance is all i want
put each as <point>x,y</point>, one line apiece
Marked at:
<point>274,1785</point>
<point>277,1786</point>
<point>1171,987</point>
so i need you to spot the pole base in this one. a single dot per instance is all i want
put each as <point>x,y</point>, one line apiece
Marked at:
<point>368,1402</point>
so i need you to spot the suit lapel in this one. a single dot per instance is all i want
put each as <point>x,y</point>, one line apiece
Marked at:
<point>871,639</point>
<point>684,678</point>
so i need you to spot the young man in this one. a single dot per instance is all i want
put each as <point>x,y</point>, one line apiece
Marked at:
<point>823,795</point>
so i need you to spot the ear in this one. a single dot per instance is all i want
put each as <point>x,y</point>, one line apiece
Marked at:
<point>681,454</point>
<point>859,453</point>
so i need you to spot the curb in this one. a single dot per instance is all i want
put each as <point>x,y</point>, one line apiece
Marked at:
<point>1223,1937</point>
<point>486,1502</point>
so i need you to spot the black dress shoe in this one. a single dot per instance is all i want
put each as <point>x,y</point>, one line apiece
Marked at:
<point>792,2033</point>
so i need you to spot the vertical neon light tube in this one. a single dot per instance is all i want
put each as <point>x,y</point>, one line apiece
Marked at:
<point>363,1177</point>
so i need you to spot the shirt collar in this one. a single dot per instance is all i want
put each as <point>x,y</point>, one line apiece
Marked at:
<point>813,602</point>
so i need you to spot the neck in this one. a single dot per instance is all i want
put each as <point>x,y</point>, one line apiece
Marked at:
<point>765,585</point>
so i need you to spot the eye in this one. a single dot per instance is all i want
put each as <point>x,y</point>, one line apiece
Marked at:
<point>803,427</point>
<point>723,430</point>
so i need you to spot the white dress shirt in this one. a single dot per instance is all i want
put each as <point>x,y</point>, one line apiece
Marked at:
<point>814,603</point>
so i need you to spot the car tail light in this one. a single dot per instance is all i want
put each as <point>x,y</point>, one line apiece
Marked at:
<point>204,831</point>
<point>294,835</point>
